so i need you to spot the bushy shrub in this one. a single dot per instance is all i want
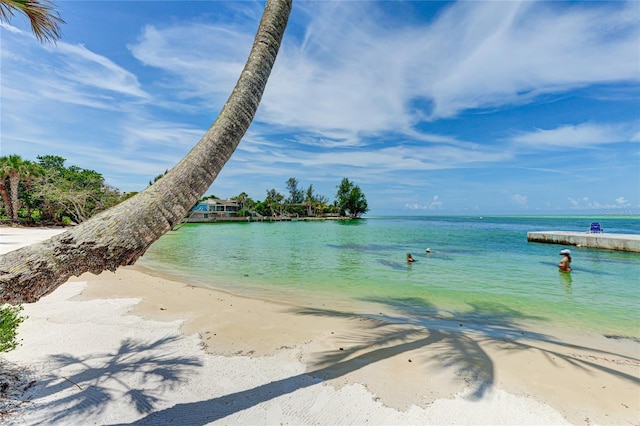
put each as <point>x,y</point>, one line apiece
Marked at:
<point>10,319</point>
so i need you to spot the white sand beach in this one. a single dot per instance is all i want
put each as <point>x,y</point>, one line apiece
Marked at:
<point>134,348</point>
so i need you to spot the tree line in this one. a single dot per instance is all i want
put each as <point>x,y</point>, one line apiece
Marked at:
<point>48,192</point>
<point>350,201</point>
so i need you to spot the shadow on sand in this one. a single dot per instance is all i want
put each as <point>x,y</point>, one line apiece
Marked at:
<point>137,373</point>
<point>415,325</point>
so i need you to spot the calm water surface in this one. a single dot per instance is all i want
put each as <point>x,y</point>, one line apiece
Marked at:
<point>479,269</point>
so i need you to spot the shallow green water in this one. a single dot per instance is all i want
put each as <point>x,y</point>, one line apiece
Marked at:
<point>480,270</point>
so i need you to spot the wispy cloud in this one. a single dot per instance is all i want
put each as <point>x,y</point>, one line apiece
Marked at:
<point>496,53</point>
<point>368,78</point>
<point>435,204</point>
<point>200,61</point>
<point>519,199</point>
<point>64,74</point>
<point>585,203</point>
<point>575,136</point>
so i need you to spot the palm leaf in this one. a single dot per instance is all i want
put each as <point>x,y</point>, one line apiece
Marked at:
<point>45,19</point>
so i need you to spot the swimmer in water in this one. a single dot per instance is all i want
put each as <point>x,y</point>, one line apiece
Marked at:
<point>565,262</point>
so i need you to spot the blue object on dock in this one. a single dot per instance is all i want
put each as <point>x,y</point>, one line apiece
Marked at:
<point>595,228</point>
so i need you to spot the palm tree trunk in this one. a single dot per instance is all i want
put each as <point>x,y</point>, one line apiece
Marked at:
<point>120,235</point>
<point>5,198</point>
<point>14,182</point>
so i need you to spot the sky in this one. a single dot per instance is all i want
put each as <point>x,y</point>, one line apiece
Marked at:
<point>431,108</point>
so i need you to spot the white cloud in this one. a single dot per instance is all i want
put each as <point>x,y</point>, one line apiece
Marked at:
<point>575,136</point>
<point>519,199</point>
<point>352,74</point>
<point>435,204</point>
<point>374,164</point>
<point>200,61</point>
<point>63,73</point>
<point>90,71</point>
<point>622,202</point>
<point>586,203</point>
<point>501,52</point>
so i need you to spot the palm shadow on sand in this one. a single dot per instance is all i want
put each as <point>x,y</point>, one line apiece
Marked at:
<point>82,385</point>
<point>414,325</point>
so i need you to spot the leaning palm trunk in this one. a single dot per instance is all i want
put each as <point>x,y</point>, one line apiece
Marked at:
<point>120,235</point>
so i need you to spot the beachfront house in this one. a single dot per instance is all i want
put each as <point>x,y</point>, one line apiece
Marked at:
<point>211,210</point>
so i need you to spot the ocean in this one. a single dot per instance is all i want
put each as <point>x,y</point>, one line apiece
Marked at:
<point>481,270</point>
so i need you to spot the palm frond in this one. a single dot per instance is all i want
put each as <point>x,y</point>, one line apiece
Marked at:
<point>45,19</point>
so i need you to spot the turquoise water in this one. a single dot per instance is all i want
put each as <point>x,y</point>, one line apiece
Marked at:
<point>479,270</point>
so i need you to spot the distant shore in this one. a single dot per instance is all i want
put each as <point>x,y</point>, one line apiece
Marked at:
<point>128,347</point>
<point>266,219</point>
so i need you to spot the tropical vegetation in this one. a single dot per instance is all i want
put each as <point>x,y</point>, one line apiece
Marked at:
<point>49,193</point>
<point>350,202</point>
<point>10,319</point>
<point>46,192</point>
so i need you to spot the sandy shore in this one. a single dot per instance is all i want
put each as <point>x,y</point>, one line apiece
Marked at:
<point>133,348</point>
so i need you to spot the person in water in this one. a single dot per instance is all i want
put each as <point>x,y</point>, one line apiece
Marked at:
<point>565,262</point>
<point>410,258</point>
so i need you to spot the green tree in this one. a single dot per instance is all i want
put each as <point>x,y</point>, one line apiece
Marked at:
<point>310,200</point>
<point>157,178</point>
<point>245,202</point>
<point>43,16</point>
<point>32,175</point>
<point>52,166</point>
<point>4,186</point>
<point>315,203</point>
<point>350,199</point>
<point>10,319</point>
<point>273,202</point>
<point>120,235</point>
<point>357,205</point>
<point>51,162</point>
<point>261,208</point>
<point>17,179</point>
<point>296,195</point>
<point>12,168</point>
<point>342,196</point>
<point>72,191</point>
<point>321,205</point>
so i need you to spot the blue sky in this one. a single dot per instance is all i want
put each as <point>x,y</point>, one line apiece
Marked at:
<point>430,107</point>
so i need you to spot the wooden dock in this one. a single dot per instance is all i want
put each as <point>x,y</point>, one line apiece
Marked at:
<point>621,242</point>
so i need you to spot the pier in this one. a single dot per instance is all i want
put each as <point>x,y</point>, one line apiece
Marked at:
<point>621,242</point>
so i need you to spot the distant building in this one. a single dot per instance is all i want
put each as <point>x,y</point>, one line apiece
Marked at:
<point>214,209</point>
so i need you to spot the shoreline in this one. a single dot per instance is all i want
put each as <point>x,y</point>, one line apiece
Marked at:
<point>543,329</point>
<point>261,362</point>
